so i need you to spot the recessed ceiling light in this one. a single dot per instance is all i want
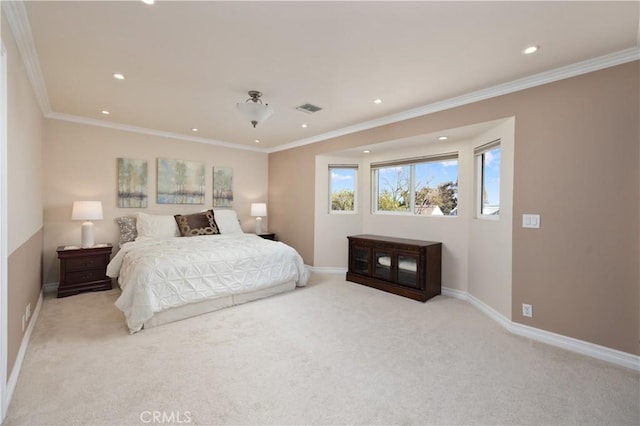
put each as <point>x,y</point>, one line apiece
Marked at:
<point>377,101</point>
<point>194,129</point>
<point>304,126</point>
<point>118,76</point>
<point>443,138</point>
<point>531,49</point>
<point>366,151</point>
<point>257,141</point>
<point>148,1</point>
<point>105,112</point>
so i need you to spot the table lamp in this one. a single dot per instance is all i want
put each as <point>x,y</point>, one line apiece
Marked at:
<point>258,210</point>
<point>87,211</point>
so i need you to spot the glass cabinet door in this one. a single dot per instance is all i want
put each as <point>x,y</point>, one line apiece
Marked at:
<point>382,261</point>
<point>360,261</point>
<point>407,265</point>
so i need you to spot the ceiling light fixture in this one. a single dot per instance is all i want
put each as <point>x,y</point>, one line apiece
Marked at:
<point>366,151</point>
<point>257,141</point>
<point>531,49</point>
<point>118,76</point>
<point>304,126</point>
<point>105,112</point>
<point>194,129</point>
<point>443,138</point>
<point>148,1</point>
<point>253,108</point>
<point>377,101</point>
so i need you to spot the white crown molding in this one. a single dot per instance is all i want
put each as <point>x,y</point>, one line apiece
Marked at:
<point>147,131</point>
<point>590,65</point>
<point>603,353</point>
<point>19,22</point>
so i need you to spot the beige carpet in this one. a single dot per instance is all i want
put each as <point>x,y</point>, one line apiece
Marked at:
<point>331,353</point>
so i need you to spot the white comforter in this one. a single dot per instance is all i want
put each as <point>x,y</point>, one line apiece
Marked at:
<point>160,274</point>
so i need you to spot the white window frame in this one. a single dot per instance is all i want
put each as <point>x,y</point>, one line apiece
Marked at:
<point>353,167</point>
<point>479,153</point>
<point>406,162</point>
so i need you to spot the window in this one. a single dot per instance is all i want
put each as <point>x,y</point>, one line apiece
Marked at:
<point>426,186</point>
<point>488,177</point>
<point>342,188</point>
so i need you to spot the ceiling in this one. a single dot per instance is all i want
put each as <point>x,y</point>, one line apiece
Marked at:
<point>186,64</point>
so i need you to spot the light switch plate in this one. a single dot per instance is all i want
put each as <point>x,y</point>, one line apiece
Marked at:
<point>531,221</point>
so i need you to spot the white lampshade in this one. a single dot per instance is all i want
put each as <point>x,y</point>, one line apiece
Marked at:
<point>258,209</point>
<point>87,211</point>
<point>255,113</point>
<point>253,109</point>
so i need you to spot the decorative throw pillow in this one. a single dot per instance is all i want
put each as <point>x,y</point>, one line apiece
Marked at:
<point>228,222</point>
<point>128,231</point>
<point>197,224</point>
<point>156,226</point>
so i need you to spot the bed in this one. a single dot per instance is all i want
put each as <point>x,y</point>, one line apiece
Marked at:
<point>166,277</point>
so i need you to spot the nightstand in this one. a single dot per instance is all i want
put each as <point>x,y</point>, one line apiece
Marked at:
<point>268,236</point>
<point>83,269</point>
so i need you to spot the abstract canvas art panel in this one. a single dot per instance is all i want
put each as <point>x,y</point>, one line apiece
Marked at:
<point>180,182</point>
<point>132,183</point>
<point>222,186</point>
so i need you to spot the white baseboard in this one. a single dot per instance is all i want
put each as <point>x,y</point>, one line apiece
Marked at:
<point>17,366</point>
<point>50,287</point>
<point>327,270</point>
<point>613,356</point>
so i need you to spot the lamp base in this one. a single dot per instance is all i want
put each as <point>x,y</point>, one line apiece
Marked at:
<point>87,235</point>
<point>258,225</point>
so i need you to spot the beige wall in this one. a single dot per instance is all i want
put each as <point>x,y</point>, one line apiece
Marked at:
<point>490,241</point>
<point>575,163</point>
<point>24,196</point>
<point>81,165</point>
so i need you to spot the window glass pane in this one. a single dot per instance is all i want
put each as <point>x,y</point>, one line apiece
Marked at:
<point>436,188</point>
<point>491,182</point>
<point>343,188</point>
<point>393,185</point>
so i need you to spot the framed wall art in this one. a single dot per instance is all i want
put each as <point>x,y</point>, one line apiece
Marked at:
<point>132,183</point>
<point>222,186</point>
<point>180,182</point>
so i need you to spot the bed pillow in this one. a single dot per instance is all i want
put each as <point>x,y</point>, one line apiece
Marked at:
<point>156,226</point>
<point>128,231</point>
<point>203,223</point>
<point>228,222</point>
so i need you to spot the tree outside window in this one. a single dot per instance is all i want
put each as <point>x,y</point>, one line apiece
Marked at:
<point>342,189</point>
<point>426,187</point>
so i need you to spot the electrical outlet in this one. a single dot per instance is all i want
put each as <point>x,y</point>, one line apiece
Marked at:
<point>527,310</point>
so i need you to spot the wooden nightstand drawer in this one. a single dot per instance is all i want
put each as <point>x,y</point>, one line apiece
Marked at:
<point>84,263</point>
<point>84,276</point>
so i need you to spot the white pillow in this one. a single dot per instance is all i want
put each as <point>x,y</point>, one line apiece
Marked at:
<point>156,226</point>
<point>227,221</point>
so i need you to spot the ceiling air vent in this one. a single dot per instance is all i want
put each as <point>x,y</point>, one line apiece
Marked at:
<point>308,108</point>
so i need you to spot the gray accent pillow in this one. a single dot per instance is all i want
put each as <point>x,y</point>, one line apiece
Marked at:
<point>128,231</point>
<point>203,223</point>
